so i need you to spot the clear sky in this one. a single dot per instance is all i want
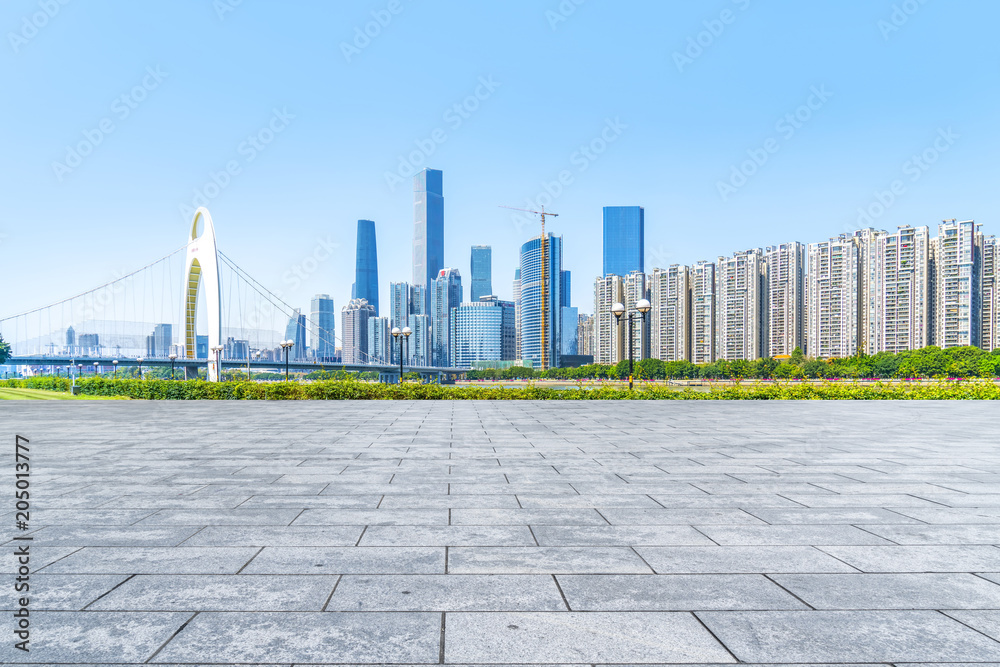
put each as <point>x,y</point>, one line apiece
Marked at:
<point>669,96</point>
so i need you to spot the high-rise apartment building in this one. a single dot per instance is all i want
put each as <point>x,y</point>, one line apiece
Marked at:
<point>585,335</point>
<point>703,313</point>
<point>517,313</point>
<point>446,293</point>
<point>902,290</point>
<point>159,343</point>
<point>366,265</point>
<point>379,341</point>
<point>354,328</point>
<point>482,331</point>
<point>624,240</point>
<point>742,306</point>
<point>990,336</point>
<point>400,307</point>
<point>670,317</point>
<point>481,272</point>
<point>956,310</point>
<point>635,289</point>
<point>608,347</point>
<point>541,322</point>
<point>295,331</point>
<point>785,298</point>
<point>834,298</point>
<point>428,229</point>
<point>323,328</point>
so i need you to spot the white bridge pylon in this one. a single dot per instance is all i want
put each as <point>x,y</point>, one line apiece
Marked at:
<point>202,267</point>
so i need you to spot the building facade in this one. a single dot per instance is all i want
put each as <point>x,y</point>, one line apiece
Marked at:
<point>608,348</point>
<point>834,298</point>
<point>956,265</point>
<point>446,293</point>
<point>322,328</point>
<point>990,336</point>
<point>541,323</point>
<point>624,240</point>
<point>785,298</point>
<point>670,318</point>
<point>354,327</point>
<point>428,229</point>
<point>295,331</point>
<point>703,313</point>
<point>482,331</point>
<point>901,315</point>
<point>379,341</point>
<point>481,272</point>
<point>742,306</point>
<point>366,265</point>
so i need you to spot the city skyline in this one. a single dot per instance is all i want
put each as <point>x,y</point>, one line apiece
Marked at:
<point>325,162</point>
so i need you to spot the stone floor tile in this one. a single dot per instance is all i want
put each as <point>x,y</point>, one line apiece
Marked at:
<point>348,560</point>
<point>524,517</point>
<point>544,560</point>
<point>376,517</point>
<point>739,560</point>
<point>440,536</point>
<point>791,535</point>
<point>574,536</point>
<point>276,536</point>
<point>450,592</point>
<point>892,591</point>
<point>969,558</point>
<point>154,560</point>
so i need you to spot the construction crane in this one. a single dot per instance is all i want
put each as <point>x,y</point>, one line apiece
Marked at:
<point>545,280</point>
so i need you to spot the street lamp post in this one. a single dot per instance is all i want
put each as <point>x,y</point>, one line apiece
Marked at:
<point>95,368</point>
<point>218,360</point>
<point>642,306</point>
<point>287,345</point>
<point>173,358</point>
<point>115,364</point>
<point>140,360</point>
<point>401,335</point>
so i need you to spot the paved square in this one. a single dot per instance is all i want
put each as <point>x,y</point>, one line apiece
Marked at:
<point>507,533</point>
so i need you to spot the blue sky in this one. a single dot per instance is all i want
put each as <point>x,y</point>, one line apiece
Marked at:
<point>669,96</point>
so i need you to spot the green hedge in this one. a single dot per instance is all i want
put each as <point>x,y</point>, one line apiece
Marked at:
<point>350,389</point>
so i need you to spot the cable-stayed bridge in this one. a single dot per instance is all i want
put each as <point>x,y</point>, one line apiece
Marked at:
<point>155,316</point>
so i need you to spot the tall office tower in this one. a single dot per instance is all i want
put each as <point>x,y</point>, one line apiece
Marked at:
<point>742,306</point>
<point>418,345</point>
<point>608,342</point>
<point>159,342</point>
<point>481,268</point>
<point>322,328</point>
<point>446,293</point>
<point>703,313</point>
<point>428,229</point>
<point>295,331</point>
<point>902,302</point>
<point>569,343</point>
<point>236,349</point>
<point>201,347</point>
<point>957,287</point>
<point>566,289</point>
<point>517,313</point>
<point>541,321</point>
<point>90,344</point>
<point>990,336</point>
<point>70,338</point>
<point>354,330</point>
<point>379,340</point>
<point>624,239</point>
<point>585,335</point>
<point>482,331</point>
<point>670,318</point>
<point>634,289</point>
<point>400,307</point>
<point>834,298</point>
<point>785,298</point>
<point>366,265</point>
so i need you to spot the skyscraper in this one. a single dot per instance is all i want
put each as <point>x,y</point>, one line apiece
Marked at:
<point>624,239</point>
<point>608,348</point>
<point>742,306</point>
<point>482,331</point>
<point>540,320</point>
<point>833,298</point>
<point>635,289</point>
<point>957,310</point>
<point>159,342</point>
<point>400,307</point>
<point>585,335</point>
<point>703,313</point>
<point>322,328</point>
<point>354,330</point>
<point>517,313</point>
<point>296,332</point>
<point>379,340</point>
<point>481,272</point>
<point>902,291</point>
<point>366,266</point>
<point>670,317</point>
<point>428,229</point>
<point>446,293</point>
<point>990,337</point>
<point>785,298</point>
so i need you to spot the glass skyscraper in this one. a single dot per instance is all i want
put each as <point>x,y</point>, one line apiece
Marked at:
<point>481,272</point>
<point>428,228</point>
<point>482,331</point>
<point>624,239</point>
<point>532,313</point>
<point>296,332</point>
<point>322,328</point>
<point>446,293</point>
<point>366,268</point>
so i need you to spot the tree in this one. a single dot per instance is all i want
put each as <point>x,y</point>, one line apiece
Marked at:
<point>797,357</point>
<point>4,351</point>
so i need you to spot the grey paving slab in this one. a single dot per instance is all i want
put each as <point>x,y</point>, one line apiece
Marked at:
<point>412,501</point>
<point>545,560</point>
<point>270,536</point>
<point>938,534</point>
<point>63,592</point>
<point>375,517</point>
<point>740,560</point>
<point>966,558</point>
<point>231,592</point>
<point>792,535</point>
<point>348,560</point>
<point>892,591</point>
<point>523,517</point>
<point>849,636</point>
<point>452,592</point>
<point>305,637</point>
<point>441,536</point>
<point>645,592</point>
<point>986,621</point>
<point>154,560</point>
<point>118,536</point>
<point>85,636</point>
<point>575,536</point>
<point>580,637</point>
<point>841,516</point>
<point>666,517</point>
